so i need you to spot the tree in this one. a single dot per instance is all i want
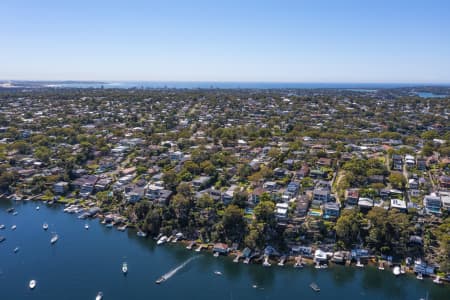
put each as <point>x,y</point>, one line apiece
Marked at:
<point>348,227</point>
<point>397,180</point>
<point>234,224</point>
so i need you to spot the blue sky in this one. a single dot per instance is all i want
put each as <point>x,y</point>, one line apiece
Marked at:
<point>277,41</point>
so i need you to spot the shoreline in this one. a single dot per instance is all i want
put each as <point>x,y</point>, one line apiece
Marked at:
<point>290,260</point>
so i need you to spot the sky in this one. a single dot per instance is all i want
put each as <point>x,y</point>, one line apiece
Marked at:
<point>395,41</point>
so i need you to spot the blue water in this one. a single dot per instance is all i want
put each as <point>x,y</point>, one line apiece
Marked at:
<point>430,95</point>
<point>84,262</point>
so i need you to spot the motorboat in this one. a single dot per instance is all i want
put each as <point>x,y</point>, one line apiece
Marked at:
<point>10,210</point>
<point>37,207</point>
<point>437,280</point>
<point>54,239</point>
<point>419,276</point>
<point>402,269</point>
<point>125,268</point>
<point>16,249</point>
<point>160,280</point>
<point>381,266</point>
<point>13,227</point>
<point>45,226</point>
<point>141,234</point>
<point>396,270</point>
<point>109,225</point>
<point>32,284</point>
<point>162,240</point>
<point>99,296</point>
<point>86,226</point>
<point>359,264</point>
<point>2,226</point>
<point>218,273</point>
<point>314,287</point>
<point>15,213</point>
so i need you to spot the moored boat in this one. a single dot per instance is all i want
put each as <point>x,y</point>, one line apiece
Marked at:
<point>314,287</point>
<point>32,284</point>
<point>419,276</point>
<point>396,270</point>
<point>16,249</point>
<point>99,296</point>
<point>45,226</point>
<point>162,240</point>
<point>86,226</point>
<point>218,273</point>
<point>2,226</point>
<point>141,234</point>
<point>13,227</point>
<point>125,268</point>
<point>54,239</point>
<point>437,280</point>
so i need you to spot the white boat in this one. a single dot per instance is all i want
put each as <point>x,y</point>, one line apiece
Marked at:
<point>16,249</point>
<point>2,226</point>
<point>437,280</point>
<point>124,268</point>
<point>162,240</point>
<point>15,213</point>
<point>37,207</point>
<point>32,284</point>
<point>109,225</point>
<point>218,273</point>
<point>54,239</point>
<point>266,262</point>
<point>419,276</point>
<point>141,234</point>
<point>381,266</point>
<point>13,227</point>
<point>45,226</point>
<point>396,270</point>
<point>86,226</point>
<point>402,269</point>
<point>99,296</point>
<point>359,264</point>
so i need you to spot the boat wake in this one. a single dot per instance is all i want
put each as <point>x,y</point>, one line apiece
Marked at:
<point>175,270</point>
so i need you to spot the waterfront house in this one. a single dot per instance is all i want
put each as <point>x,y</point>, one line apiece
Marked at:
<point>60,187</point>
<point>320,256</point>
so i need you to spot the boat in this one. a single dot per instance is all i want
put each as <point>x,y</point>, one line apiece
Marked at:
<point>160,280</point>
<point>141,234</point>
<point>359,264</point>
<point>402,269</point>
<point>16,249</point>
<point>109,225</point>
<point>99,296</point>
<point>282,260</point>
<point>10,210</point>
<point>216,254</point>
<point>396,270</point>
<point>86,226</point>
<point>32,284</point>
<point>162,240</point>
<point>2,238</point>
<point>45,226</point>
<point>122,228</point>
<point>13,227</point>
<point>266,262</point>
<point>314,287</point>
<point>15,213</point>
<point>2,226</point>
<point>125,268</point>
<point>54,239</point>
<point>37,207</point>
<point>218,273</point>
<point>190,245</point>
<point>437,280</point>
<point>419,276</point>
<point>381,266</point>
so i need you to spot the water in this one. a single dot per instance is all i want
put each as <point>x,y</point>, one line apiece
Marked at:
<point>430,95</point>
<point>84,262</point>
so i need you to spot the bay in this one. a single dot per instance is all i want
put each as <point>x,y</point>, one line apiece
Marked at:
<point>84,262</point>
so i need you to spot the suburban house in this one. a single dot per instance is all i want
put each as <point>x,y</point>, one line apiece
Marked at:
<point>397,162</point>
<point>432,204</point>
<point>60,187</point>
<point>331,210</point>
<point>398,204</point>
<point>352,196</point>
<point>322,195</point>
